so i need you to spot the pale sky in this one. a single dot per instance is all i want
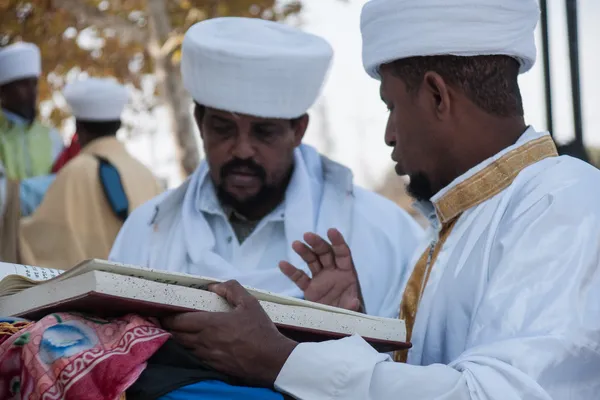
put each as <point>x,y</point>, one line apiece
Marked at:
<point>356,116</point>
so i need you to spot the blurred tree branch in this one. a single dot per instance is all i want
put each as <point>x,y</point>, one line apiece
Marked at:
<point>88,14</point>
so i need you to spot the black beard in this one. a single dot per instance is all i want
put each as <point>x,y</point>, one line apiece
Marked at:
<point>420,187</point>
<point>246,206</point>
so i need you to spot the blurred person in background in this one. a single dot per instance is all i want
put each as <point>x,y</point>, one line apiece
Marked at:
<point>93,194</point>
<point>28,148</point>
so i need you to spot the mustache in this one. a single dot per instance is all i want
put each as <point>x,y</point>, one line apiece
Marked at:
<point>238,163</point>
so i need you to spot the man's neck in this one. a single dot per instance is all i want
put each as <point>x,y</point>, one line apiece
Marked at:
<point>480,143</point>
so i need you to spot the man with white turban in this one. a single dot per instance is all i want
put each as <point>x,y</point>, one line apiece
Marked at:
<point>504,303</point>
<point>85,207</point>
<point>243,212</point>
<point>28,148</point>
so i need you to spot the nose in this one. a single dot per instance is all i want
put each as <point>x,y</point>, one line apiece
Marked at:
<point>390,133</point>
<point>243,148</point>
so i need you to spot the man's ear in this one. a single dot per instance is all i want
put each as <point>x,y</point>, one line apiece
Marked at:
<point>300,125</point>
<point>437,94</point>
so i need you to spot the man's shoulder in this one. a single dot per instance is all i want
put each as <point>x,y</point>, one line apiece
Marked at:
<point>82,166</point>
<point>563,180</point>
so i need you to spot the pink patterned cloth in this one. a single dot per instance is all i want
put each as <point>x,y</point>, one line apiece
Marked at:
<point>71,356</point>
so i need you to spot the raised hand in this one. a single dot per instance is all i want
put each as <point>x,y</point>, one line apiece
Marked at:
<point>334,280</point>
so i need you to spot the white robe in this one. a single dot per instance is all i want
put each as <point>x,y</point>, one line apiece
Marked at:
<point>511,310</point>
<point>186,231</point>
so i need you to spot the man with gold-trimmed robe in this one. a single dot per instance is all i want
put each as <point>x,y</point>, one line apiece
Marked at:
<point>504,300</point>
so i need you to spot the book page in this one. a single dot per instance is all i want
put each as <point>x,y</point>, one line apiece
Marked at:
<point>36,274</point>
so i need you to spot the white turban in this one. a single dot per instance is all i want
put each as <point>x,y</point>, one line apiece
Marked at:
<point>255,67</point>
<point>19,61</point>
<point>397,29</point>
<point>96,99</point>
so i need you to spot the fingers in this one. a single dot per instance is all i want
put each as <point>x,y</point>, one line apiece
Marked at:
<point>309,257</point>
<point>340,249</point>
<point>188,322</point>
<point>233,292</point>
<point>189,340</point>
<point>296,275</point>
<point>352,304</point>
<point>319,254</point>
<point>322,249</point>
<point>338,243</point>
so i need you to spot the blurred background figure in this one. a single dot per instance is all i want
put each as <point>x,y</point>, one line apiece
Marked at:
<point>28,148</point>
<point>94,192</point>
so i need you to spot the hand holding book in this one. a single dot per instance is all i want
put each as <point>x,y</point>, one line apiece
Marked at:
<point>243,343</point>
<point>334,280</point>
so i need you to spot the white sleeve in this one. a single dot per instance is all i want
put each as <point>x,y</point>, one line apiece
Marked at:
<point>534,334</point>
<point>351,369</point>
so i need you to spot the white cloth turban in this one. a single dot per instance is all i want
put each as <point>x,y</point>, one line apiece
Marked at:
<point>254,67</point>
<point>397,29</point>
<point>96,99</point>
<point>19,61</point>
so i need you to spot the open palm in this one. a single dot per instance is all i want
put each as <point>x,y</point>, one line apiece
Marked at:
<point>334,280</point>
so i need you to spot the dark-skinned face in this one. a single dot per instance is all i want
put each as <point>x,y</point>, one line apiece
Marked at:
<point>413,132</point>
<point>250,158</point>
<point>20,97</point>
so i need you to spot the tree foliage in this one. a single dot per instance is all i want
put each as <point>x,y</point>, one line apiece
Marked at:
<point>110,37</point>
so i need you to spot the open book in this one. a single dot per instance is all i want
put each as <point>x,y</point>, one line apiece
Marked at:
<point>106,288</point>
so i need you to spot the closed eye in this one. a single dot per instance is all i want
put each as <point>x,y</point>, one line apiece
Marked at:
<point>266,131</point>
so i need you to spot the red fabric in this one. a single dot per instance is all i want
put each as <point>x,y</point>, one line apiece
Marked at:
<point>67,154</point>
<point>74,357</point>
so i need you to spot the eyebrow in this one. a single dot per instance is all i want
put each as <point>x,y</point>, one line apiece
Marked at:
<point>266,124</point>
<point>217,118</point>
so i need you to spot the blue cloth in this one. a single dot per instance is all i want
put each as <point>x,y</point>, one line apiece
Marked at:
<point>214,390</point>
<point>33,191</point>
<point>12,320</point>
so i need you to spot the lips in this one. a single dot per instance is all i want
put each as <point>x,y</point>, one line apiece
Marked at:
<point>242,171</point>
<point>242,178</point>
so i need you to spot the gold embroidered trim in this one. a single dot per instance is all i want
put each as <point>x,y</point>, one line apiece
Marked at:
<point>493,179</point>
<point>475,190</point>
<point>416,287</point>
